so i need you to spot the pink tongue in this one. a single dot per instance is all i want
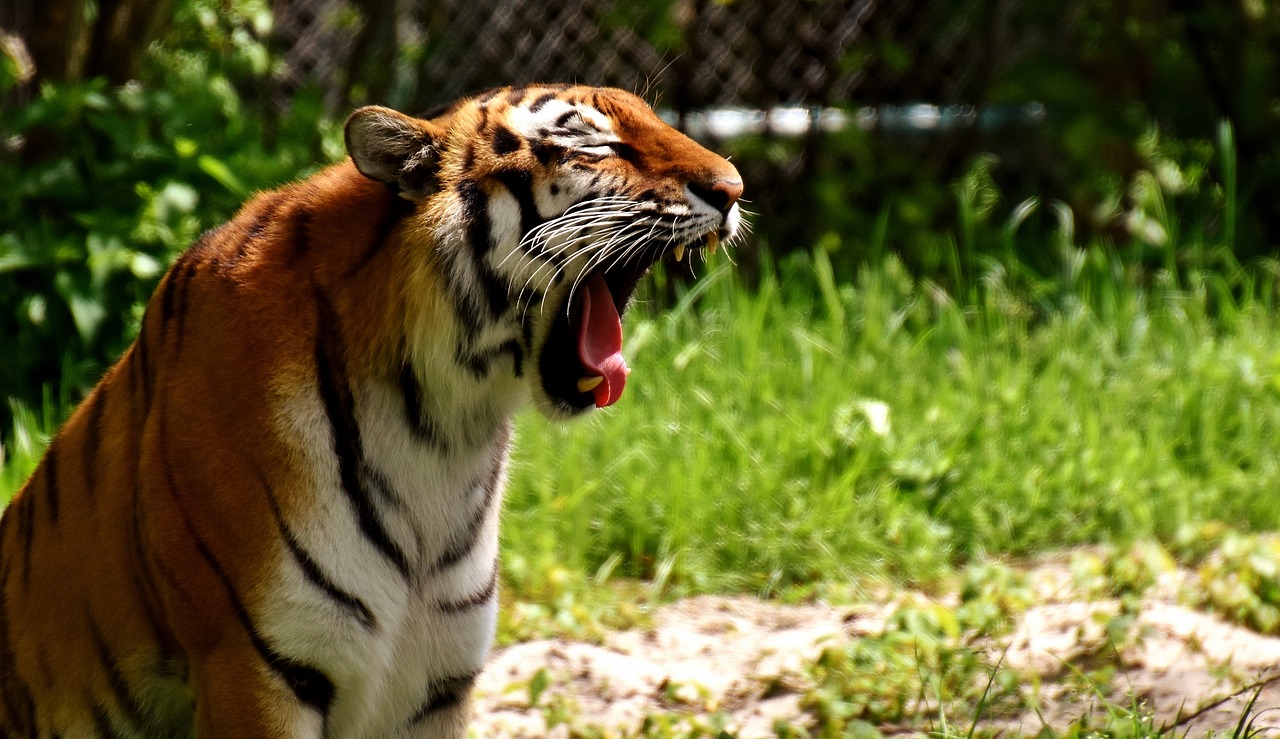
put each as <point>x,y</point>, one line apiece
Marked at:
<point>600,342</point>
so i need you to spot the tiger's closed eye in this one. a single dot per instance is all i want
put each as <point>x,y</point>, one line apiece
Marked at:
<point>601,147</point>
<point>609,148</point>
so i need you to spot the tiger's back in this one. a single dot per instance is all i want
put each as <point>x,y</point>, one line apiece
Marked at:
<point>277,515</point>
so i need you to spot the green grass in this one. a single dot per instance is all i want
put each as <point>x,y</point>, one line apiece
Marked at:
<point>813,431</point>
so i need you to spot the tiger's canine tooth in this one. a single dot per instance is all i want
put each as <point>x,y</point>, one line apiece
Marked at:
<point>713,241</point>
<point>587,384</point>
<point>680,252</point>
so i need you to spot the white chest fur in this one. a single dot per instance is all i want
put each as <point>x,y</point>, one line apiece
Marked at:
<point>398,605</point>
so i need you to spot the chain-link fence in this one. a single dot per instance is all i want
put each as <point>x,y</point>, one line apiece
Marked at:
<point>792,72</point>
<point>798,69</point>
<point>689,54</point>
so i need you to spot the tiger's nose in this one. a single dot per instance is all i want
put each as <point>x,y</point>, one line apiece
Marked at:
<point>721,195</point>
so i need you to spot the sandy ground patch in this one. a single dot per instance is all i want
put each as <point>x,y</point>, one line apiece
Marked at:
<point>745,658</point>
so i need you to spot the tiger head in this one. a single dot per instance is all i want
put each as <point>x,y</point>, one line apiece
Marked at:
<point>547,204</point>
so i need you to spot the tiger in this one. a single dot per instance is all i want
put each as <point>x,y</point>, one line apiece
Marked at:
<point>277,513</point>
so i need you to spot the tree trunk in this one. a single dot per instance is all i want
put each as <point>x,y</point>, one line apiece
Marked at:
<point>66,47</point>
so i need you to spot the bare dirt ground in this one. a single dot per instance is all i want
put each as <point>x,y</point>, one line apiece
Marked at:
<point>745,658</point>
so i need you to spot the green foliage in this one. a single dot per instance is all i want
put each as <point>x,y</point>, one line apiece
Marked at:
<point>106,185</point>
<point>28,437</point>
<point>921,665</point>
<point>544,599</point>
<point>1236,574</point>
<point>1110,572</point>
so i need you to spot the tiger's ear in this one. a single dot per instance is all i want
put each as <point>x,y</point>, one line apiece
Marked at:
<point>393,148</point>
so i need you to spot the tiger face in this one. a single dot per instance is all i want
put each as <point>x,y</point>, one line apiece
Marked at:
<point>566,197</point>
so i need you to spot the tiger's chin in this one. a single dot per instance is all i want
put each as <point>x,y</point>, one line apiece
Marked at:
<point>578,334</point>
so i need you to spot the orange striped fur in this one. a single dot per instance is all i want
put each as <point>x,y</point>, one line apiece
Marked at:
<point>277,514</point>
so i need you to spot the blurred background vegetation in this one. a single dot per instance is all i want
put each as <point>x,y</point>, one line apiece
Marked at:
<point>129,126</point>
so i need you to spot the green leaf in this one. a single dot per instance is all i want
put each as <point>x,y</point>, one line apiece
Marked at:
<point>223,174</point>
<point>538,684</point>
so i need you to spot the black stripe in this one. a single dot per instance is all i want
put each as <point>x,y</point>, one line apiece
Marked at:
<point>563,119</point>
<point>519,183</point>
<point>517,96</point>
<point>540,101</point>
<point>103,724</point>
<point>312,570</point>
<point>93,440</point>
<point>479,363</point>
<point>586,157</point>
<point>173,304</point>
<point>173,299</point>
<point>141,571</point>
<point>125,701</point>
<point>478,599</point>
<point>475,209</point>
<point>168,292</point>
<point>526,328</point>
<point>14,692</point>
<point>545,151</point>
<point>300,238</point>
<point>174,582</point>
<point>258,226</point>
<point>504,141</point>
<point>339,407</point>
<point>420,423</point>
<point>379,485</point>
<point>189,272</point>
<point>517,356</point>
<point>28,705</point>
<point>399,209</point>
<point>537,250</point>
<point>202,249</point>
<point>52,493</point>
<point>443,694</point>
<point>466,305</point>
<point>475,203</point>
<point>461,548</point>
<point>256,229</point>
<point>310,686</point>
<point>145,368</point>
<point>136,387</point>
<point>475,212</point>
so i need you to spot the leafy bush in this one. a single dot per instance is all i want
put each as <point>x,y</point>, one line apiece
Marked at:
<point>106,184</point>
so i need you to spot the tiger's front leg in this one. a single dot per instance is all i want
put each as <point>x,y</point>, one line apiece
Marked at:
<point>445,721</point>
<point>238,695</point>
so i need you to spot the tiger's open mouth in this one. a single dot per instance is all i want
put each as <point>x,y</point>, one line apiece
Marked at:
<point>581,363</point>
